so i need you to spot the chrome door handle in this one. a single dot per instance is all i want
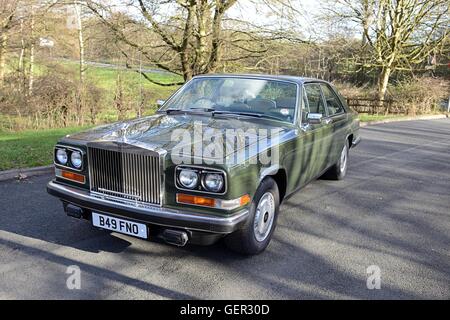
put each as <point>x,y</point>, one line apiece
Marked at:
<point>327,121</point>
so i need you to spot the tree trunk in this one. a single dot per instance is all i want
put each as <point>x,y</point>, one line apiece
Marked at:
<point>201,34</point>
<point>185,65</point>
<point>216,43</point>
<point>31,67</point>
<point>81,66</point>
<point>80,41</point>
<point>20,66</point>
<point>31,71</point>
<point>22,47</point>
<point>383,80</point>
<point>186,58</point>
<point>3,45</point>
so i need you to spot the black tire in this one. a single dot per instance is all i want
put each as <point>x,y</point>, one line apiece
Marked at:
<point>337,171</point>
<point>244,240</point>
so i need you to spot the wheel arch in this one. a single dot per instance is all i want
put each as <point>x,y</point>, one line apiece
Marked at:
<point>350,139</point>
<point>278,174</point>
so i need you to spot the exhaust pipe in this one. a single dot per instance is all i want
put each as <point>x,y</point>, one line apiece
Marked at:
<point>175,237</point>
<point>73,211</point>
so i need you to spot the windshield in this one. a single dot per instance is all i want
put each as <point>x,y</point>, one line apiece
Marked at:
<point>259,97</point>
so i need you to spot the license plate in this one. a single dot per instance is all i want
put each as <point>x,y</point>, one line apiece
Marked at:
<point>119,225</point>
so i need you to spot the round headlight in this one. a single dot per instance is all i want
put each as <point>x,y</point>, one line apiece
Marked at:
<point>213,182</point>
<point>61,156</point>
<point>188,178</point>
<point>76,159</point>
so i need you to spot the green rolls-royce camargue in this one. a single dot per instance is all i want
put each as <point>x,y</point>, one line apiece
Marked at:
<point>215,161</point>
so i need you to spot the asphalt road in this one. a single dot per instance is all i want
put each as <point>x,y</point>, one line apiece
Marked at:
<point>392,211</point>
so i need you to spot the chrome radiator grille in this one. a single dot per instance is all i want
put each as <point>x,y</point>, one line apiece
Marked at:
<point>127,175</point>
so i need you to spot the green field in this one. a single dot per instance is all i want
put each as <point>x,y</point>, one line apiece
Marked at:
<point>132,82</point>
<point>105,78</point>
<point>30,148</point>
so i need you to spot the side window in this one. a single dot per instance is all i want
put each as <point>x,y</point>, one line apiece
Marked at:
<point>315,101</point>
<point>334,106</point>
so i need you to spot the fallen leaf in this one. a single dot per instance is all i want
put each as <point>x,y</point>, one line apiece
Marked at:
<point>22,176</point>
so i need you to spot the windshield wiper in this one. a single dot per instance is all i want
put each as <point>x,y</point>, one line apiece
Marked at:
<point>203,109</point>
<point>249,114</point>
<point>222,112</point>
<point>174,111</point>
<point>171,111</point>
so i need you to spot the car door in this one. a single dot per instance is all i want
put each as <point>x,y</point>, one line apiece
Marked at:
<point>337,119</point>
<point>297,151</point>
<point>319,135</point>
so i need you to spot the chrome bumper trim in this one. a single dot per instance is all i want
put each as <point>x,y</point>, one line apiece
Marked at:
<point>149,214</point>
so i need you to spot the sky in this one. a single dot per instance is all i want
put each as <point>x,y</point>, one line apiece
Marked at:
<point>260,14</point>
<point>257,13</point>
<point>246,9</point>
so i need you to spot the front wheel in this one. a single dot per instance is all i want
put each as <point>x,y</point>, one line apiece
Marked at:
<point>256,233</point>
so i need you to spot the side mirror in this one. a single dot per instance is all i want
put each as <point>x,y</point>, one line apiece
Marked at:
<point>160,102</point>
<point>314,118</point>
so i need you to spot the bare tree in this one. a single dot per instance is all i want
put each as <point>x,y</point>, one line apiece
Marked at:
<point>399,33</point>
<point>189,37</point>
<point>192,32</point>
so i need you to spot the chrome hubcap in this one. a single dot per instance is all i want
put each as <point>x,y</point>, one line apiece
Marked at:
<point>343,159</point>
<point>264,216</point>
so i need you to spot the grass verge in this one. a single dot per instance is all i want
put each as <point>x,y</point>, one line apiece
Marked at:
<point>30,148</point>
<point>374,117</point>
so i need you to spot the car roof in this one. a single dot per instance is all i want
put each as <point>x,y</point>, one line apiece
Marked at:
<point>296,79</point>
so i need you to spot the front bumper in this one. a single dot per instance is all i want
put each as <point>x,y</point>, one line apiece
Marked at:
<point>150,215</point>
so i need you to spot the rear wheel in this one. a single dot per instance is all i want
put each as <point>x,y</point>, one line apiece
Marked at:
<point>339,170</point>
<point>256,233</point>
